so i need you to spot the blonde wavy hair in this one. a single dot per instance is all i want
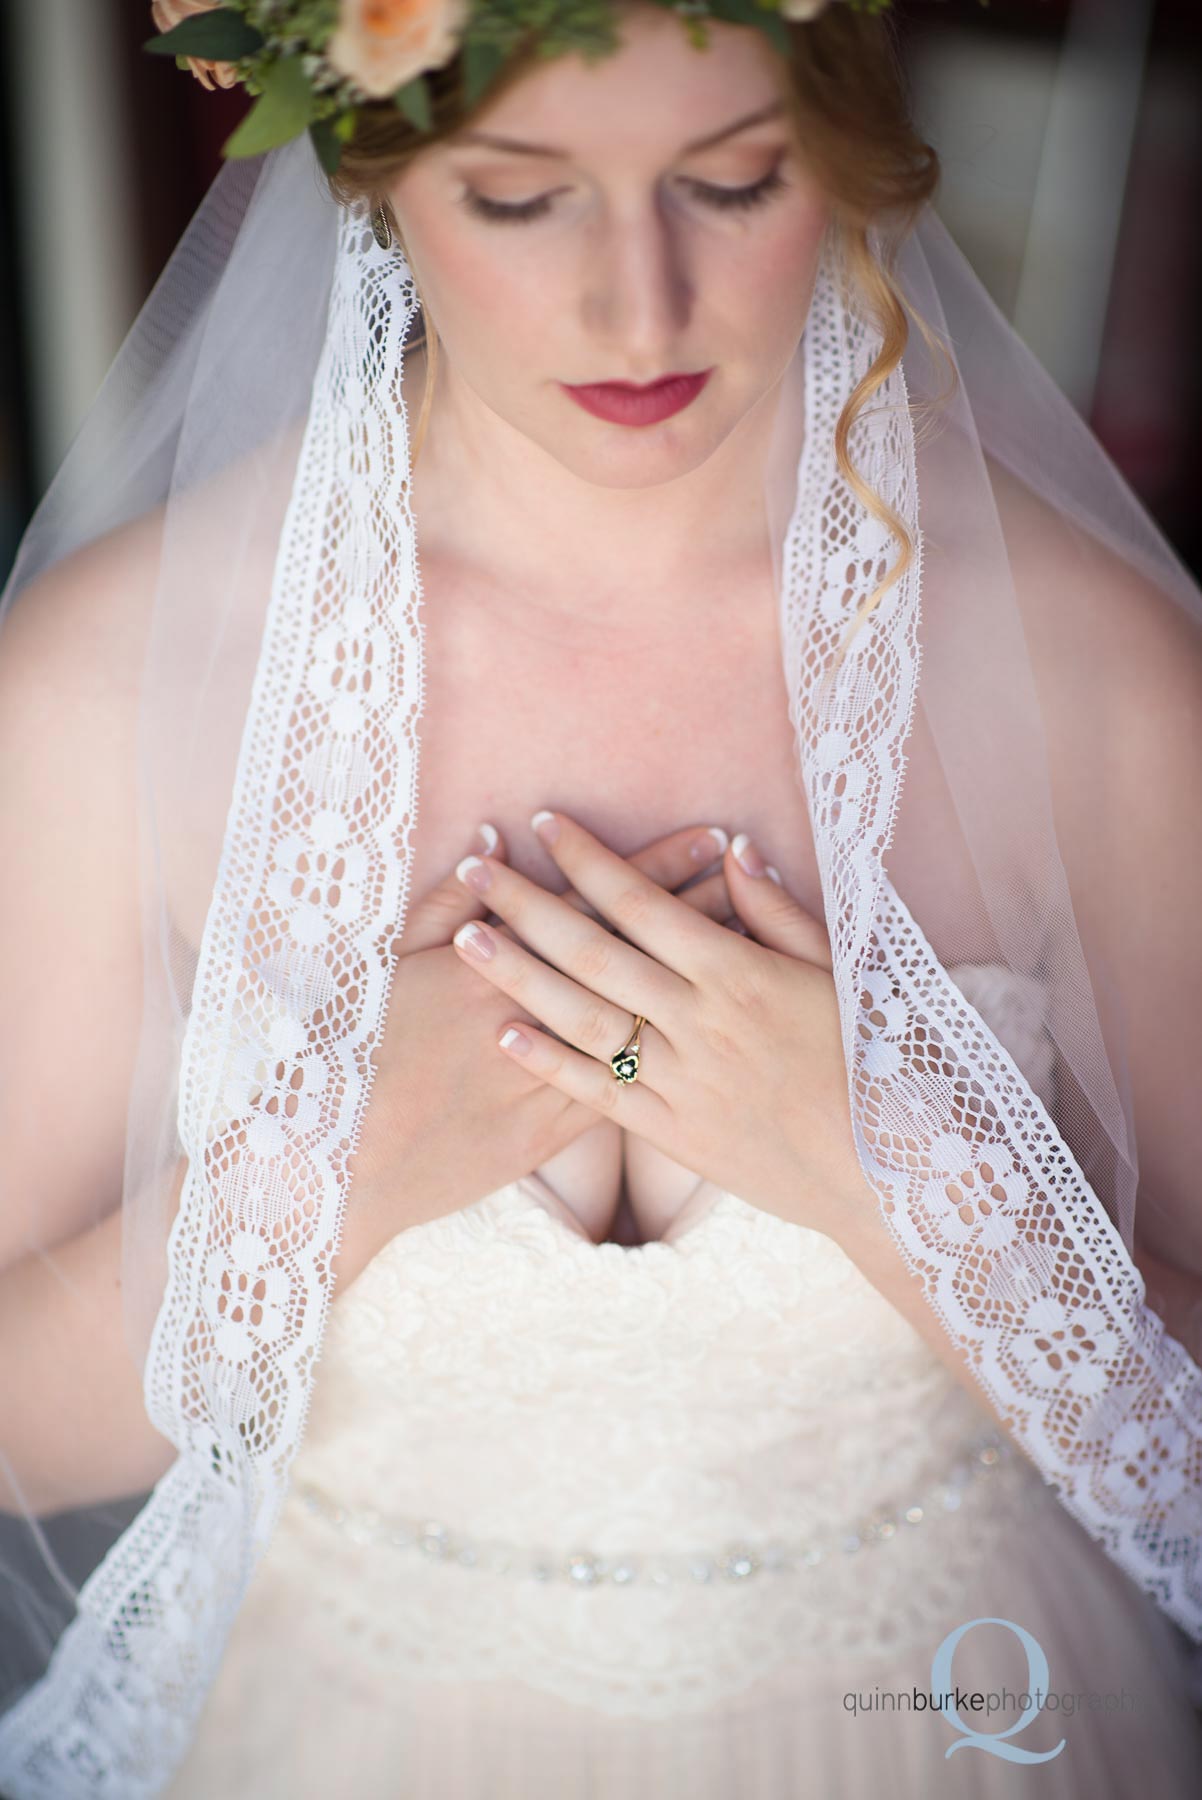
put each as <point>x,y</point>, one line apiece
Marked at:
<point>852,112</point>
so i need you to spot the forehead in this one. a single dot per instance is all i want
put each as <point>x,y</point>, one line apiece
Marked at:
<point>655,93</point>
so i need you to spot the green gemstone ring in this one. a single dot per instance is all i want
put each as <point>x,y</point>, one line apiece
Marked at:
<point>625,1062</point>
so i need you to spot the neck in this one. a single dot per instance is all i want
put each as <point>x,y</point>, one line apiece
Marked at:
<point>605,553</point>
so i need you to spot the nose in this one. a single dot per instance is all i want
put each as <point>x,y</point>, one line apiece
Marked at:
<point>639,290</point>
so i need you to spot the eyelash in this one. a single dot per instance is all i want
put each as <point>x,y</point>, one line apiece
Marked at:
<point>721,199</point>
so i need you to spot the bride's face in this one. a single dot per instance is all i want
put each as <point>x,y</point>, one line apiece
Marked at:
<point>636,235</point>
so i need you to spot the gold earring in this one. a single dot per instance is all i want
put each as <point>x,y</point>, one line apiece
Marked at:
<point>381,229</point>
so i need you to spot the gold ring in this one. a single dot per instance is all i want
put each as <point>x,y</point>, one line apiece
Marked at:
<point>625,1062</point>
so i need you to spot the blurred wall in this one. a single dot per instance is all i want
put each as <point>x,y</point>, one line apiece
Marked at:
<point>75,271</point>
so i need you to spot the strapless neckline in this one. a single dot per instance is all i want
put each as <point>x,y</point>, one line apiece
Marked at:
<point>706,1206</point>
<point>1014,1006</point>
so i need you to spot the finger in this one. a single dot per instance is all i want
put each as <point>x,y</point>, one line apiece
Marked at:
<point>576,1015</point>
<point>671,861</point>
<point>632,1104</point>
<point>435,918</point>
<point>770,912</point>
<point>672,936</point>
<point>591,954</point>
<point>674,861</point>
<point>681,856</point>
<point>710,896</point>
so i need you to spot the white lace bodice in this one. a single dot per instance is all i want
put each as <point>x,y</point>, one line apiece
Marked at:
<point>498,1394</point>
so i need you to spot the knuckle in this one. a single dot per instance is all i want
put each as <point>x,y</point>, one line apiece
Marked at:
<point>595,1023</point>
<point>745,990</point>
<point>740,1012</point>
<point>594,960</point>
<point>633,903</point>
<point>606,1101</point>
<point>449,899</point>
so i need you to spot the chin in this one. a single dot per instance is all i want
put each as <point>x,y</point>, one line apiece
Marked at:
<point>618,456</point>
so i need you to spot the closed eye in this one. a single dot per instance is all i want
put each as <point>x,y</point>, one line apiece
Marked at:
<point>504,211</point>
<point>754,195</point>
<point>720,198</point>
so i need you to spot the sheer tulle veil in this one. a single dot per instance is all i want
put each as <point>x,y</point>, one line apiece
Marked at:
<point>1000,770</point>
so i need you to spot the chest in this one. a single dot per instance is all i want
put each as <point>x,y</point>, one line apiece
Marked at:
<point>635,733</point>
<point>635,728</point>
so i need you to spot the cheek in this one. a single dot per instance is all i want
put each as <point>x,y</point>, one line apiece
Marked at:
<point>772,279</point>
<point>483,297</point>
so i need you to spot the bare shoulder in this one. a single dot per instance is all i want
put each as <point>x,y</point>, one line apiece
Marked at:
<point>1084,604</point>
<point>75,685</point>
<point>70,953</point>
<point>80,622</point>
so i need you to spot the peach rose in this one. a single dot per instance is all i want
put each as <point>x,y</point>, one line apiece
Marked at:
<point>382,44</point>
<point>167,14</point>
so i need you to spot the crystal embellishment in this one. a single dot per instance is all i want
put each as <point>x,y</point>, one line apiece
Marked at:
<point>734,1563</point>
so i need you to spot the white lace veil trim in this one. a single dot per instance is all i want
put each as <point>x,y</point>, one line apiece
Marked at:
<point>1016,1251</point>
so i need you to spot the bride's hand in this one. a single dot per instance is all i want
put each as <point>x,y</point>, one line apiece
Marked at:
<point>673,862</point>
<point>742,1076</point>
<point>440,1131</point>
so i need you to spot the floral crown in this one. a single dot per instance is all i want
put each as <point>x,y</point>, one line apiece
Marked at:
<point>312,63</point>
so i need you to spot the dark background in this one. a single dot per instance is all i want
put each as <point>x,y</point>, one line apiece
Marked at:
<point>1070,133</point>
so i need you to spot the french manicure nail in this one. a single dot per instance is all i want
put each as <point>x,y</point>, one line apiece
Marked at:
<point>474,873</point>
<point>488,838</point>
<point>546,825</point>
<point>703,852</point>
<point>748,856</point>
<point>478,943</point>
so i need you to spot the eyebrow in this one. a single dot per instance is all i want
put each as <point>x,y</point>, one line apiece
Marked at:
<point>716,137</point>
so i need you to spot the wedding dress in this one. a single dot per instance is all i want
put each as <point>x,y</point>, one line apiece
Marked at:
<point>739,1395</point>
<point>574,1518</point>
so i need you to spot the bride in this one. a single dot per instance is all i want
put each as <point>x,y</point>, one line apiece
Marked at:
<point>625,1439</point>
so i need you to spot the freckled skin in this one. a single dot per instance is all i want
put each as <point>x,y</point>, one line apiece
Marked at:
<point>587,584</point>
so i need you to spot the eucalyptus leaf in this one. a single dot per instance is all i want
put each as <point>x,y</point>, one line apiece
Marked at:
<point>414,101</point>
<point>482,62</point>
<point>282,111</point>
<point>219,36</point>
<point>327,144</point>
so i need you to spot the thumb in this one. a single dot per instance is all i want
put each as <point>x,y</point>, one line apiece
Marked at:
<point>433,920</point>
<point>771,914</point>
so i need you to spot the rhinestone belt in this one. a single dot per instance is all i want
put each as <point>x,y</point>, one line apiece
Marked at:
<point>436,1541</point>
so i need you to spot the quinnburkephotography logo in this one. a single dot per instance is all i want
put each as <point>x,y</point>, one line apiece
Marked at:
<point>950,1702</point>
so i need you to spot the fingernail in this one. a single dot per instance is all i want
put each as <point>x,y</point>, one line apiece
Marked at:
<point>515,1040</point>
<point>546,825</point>
<point>748,856</point>
<point>488,838</point>
<point>474,873</point>
<point>474,941</point>
<point>775,874</point>
<point>703,849</point>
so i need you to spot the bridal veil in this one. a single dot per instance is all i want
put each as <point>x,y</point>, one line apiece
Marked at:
<point>1000,762</point>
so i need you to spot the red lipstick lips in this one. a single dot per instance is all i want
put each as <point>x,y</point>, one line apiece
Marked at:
<point>623,403</point>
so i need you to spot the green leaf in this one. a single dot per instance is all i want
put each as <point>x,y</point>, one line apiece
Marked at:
<point>776,31</point>
<point>482,62</point>
<point>282,111</point>
<point>219,36</point>
<point>344,126</point>
<point>327,145</point>
<point>414,101</point>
